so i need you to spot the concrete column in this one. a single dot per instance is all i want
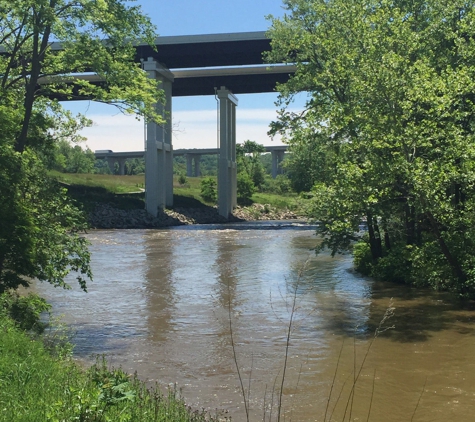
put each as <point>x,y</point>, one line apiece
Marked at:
<point>168,147</point>
<point>277,157</point>
<point>111,163</point>
<point>189,165</point>
<point>227,180</point>
<point>158,145</point>
<point>121,162</point>
<point>233,158</point>
<point>197,159</point>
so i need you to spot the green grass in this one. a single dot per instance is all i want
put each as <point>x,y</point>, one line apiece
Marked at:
<point>37,387</point>
<point>112,183</point>
<point>289,202</point>
<point>126,192</point>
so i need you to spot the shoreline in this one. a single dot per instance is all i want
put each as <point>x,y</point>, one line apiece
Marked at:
<point>106,216</point>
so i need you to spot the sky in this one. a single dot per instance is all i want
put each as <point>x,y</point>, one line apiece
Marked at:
<point>194,118</point>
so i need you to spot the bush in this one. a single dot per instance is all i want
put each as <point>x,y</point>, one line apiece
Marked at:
<point>281,185</point>
<point>362,259</point>
<point>182,179</point>
<point>209,189</point>
<point>245,188</point>
<point>393,266</point>
<point>24,310</point>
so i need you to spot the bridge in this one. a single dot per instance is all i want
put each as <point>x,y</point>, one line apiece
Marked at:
<point>192,155</point>
<point>222,65</point>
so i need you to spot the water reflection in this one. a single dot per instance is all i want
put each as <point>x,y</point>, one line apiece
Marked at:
<point>160,292</point>
<point>160,305</point>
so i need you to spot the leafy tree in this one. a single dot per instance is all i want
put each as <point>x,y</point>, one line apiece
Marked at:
<point>73,159</point>
<point>249,162</point>
<point>101,167</point>
<point>390,116</point>
<point>135,166</point>
<point>39,225</point>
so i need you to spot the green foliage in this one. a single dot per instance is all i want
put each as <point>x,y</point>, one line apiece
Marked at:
<point>309,160</point>
<point>135,166</point>
<point>39,226</point>
<point>245,188</point>
<point>249,162</point>
<point>73,159</point>
<point>25,311</point>
<point>36,386</point>
<point>209,189</point>
<point>182,179</point>
<point>281,185</point>
<point>394,265</point>
<point>387,135</point>
<point>114,384</point>
<point>102,167</point>
<point>39,231</point>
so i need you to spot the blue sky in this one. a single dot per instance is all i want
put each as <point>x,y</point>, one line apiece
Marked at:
<point>194,118</point>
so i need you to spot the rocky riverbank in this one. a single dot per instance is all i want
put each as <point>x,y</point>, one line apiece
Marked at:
<point>106,216</point>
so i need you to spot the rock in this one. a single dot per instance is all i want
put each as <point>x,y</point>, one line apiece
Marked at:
<point>106,216</point>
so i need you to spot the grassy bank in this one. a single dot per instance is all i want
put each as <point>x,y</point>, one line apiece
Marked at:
<point>126,192</point>
<point>40,383</point>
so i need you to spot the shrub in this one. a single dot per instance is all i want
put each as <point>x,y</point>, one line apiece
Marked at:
<point>394,265</point>
<point>24,310</point>
<point>281,185</point>
<point>208,189</point>
<point>182,179</point>
<point>245,188</point>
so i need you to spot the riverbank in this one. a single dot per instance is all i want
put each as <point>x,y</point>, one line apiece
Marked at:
<point>40,382</point>
<point>107,216</point>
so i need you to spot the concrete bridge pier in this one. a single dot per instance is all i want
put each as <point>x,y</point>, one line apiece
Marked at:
<point>227,172</point>
<point>197,165</point>
<point>122,166</point>
<point>190,158</point>
<point>111,164</point>
<point>158,145</point>
<point>277,158</point>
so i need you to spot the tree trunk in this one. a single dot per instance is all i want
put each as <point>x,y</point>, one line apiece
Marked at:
<point>452,260</point>
<point>39,50</point>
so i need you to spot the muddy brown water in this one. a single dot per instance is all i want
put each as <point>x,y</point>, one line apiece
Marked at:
<point>162,301</point>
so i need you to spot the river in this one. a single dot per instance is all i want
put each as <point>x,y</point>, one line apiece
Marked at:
<point>164,303</point>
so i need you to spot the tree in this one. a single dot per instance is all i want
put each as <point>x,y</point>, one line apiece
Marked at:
<point>390,112</point>
<point>44,47</point>
<point>73,159</point>
<point>248,161</point>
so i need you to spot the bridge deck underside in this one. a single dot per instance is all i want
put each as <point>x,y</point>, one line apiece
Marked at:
<point>193,52</point>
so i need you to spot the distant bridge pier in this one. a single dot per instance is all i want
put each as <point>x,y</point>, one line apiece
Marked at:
<point>277,158</point>
<point>111,163</point>
<point>158,145</point>
<point>227,171</point>
<point>190,158</point>
<point>122,166</point>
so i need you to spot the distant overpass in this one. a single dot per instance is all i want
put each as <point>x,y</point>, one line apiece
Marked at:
<point>192,155</point>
